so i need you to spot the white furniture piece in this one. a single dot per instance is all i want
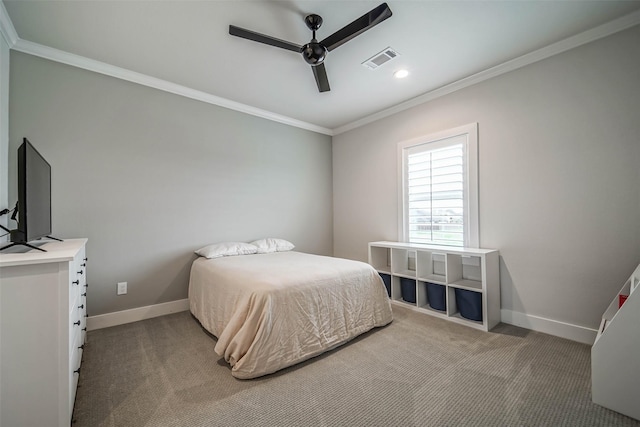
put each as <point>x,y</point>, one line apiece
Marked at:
<point>615,355</point>
<point>469,269</point>
<point>42,333</point>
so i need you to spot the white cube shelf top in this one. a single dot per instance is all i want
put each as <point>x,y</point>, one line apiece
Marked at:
<point>434,248</point>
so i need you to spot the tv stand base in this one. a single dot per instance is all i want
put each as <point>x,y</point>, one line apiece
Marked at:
<point>22,244</point>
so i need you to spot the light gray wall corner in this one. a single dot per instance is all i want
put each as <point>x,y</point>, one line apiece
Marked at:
<point>148,177</point>
<point>4,151</point>
<point>4,133</point>
<point>558,176</point>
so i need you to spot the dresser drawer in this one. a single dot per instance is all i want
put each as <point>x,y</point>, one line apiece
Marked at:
<point>75,362</point>
<point>75,355</point>
<point>83,322</point>
<point>76,284</point>
<point>76,322</point>
<point>73,293</point>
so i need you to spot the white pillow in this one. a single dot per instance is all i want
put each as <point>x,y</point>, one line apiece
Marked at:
<point>218,250</point>
<point>271,244</point>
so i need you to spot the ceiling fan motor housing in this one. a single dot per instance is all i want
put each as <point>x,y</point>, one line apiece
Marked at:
<point>314,53</point>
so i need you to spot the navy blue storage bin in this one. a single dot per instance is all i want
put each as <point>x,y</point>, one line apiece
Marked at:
<point>408,289</point>
<point>469,304</point>
<point>387,282</point>
<point>436,296</point>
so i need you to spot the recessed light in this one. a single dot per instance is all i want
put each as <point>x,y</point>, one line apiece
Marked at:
<point>401,74</point>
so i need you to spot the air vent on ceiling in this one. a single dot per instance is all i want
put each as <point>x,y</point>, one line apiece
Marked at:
<point>380,58</point>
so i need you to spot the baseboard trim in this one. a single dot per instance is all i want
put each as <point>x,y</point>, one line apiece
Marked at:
<point>549,326</point>
<point>136,314</point>
<point>523,320</point>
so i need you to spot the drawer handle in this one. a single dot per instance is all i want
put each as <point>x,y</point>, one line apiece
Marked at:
<point>80,272</point>
<point>81,306</point>
<point>81,347</point>
<point>83,264</point>
<point>76,282</point>
<point>84,329</point>
<point>86,259</point>
<point>77,371</point>
<point>83,295</point>
<point>86,285</point>
<point>77,323</point>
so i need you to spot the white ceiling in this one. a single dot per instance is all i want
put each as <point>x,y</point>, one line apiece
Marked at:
<point>187,43</point>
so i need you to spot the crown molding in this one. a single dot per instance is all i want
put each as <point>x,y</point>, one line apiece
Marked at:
<point>6,27</point>
<point>85,63</point>
<point>588,36</point>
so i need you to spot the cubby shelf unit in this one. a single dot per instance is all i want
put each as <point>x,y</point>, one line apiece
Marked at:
<point>469,269</point>
<point>615,354</point>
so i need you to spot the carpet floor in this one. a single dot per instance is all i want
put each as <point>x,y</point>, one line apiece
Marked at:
<point>417,371</point>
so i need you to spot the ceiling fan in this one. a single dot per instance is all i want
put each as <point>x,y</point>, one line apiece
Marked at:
<point>315,51</point>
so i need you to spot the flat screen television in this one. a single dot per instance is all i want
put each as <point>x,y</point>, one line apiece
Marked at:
<point>34,197</point>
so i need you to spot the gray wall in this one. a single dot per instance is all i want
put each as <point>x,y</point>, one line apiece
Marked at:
<point>4,145</point>
<point>559,146</point>
<point>149,177</point>
<point>4,132</point>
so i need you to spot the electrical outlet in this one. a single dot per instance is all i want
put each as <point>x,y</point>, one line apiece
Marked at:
<point>122,288</point>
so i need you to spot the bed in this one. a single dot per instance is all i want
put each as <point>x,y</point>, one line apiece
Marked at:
<point>273,310</point>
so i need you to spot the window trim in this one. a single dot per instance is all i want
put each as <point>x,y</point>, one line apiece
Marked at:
<point>471,196</point>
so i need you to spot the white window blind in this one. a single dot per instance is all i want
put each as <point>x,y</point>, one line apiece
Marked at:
<point>439,195</point>
<point>435,195</point>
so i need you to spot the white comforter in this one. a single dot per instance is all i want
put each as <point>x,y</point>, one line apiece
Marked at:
<point>270,311</point>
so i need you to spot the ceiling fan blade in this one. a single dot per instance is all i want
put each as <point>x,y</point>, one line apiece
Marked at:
<point>357,27</point>
<point>320,73</point>
<point>261,38</point>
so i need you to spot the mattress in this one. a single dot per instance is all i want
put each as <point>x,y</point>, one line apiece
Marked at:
<point>270,311</point>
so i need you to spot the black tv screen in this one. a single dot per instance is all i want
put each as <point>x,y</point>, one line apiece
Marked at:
<point>34,195</point>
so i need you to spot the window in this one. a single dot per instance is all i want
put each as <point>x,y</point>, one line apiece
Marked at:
<point>439,190</point>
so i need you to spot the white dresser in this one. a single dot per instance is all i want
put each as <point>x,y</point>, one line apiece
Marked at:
<point>42,332</point>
